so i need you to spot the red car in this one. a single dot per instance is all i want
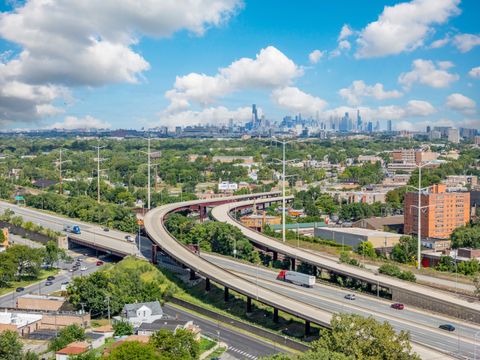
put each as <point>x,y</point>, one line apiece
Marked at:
<point>99,263</point>
<point>398,306</point>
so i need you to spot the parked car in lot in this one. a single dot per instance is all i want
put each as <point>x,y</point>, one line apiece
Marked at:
<point>397,306</point>
<point>350,297</point>
<point>19,289</point>
<point>447,327</point>
<point>65,282</point>
<point>50,278</point>
<point>48,283</point>
<point>83,268</point>
<point>99,263</point>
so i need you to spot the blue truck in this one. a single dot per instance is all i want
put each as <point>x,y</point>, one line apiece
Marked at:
<point>74,229</point>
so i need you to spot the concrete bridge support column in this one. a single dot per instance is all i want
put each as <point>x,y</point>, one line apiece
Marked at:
<point>207,284</point>
<point>192,274</point>
<point>203,213</point>
<point>225,294</point>
<point>275,315</point>
<point>307,328</point>
<point>293,264</point>
<point>249,304</point>
<point>274,255</point>
<point>154,253</point>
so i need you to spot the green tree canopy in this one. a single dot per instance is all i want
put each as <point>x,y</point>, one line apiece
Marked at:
<point>134,350</point>
<point>10,345</point>
<point>67,335</point>
<point>122,328</point>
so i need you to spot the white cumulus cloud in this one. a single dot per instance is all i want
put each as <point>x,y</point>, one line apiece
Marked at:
<point>90,43</point>
<point>295,100</point>
<point>404,27</point>
<point>87,122</point>
<point>461,103</point>
<point>358,89</point>
<point>210,115</point>
<point>475,72</point>
<point>426,72</point>
<point>270,69</point>
<point>315,56</point>
<point>345,32</point>
<point>466,42</point>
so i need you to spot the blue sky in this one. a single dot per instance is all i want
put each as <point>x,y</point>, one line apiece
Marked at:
<point>83,65</point>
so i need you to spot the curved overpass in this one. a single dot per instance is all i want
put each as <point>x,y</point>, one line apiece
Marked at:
<point>156,230</point>
<point>402,291</point>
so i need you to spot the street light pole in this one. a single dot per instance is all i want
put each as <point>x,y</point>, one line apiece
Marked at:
<point>419,234</point>
<point>98,170</point>
<point>283,194</point>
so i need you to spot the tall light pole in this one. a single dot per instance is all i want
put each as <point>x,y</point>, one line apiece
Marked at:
<point>283,186</point>
<point>419,208</point>
<point>98,160</point>
<point>148,152</point>
<point>59,163</point>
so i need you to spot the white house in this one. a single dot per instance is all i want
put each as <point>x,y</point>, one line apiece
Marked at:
<point>139,313</point>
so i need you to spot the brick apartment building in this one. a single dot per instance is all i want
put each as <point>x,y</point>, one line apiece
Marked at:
<point>446,212</point>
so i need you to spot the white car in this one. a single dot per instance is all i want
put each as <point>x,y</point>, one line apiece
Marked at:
<point>129,238</point>
<point>83,268</point>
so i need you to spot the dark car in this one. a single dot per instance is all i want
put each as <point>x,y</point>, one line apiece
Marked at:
<point>48,283</point>
<point>19,289</point>
<point>447,327</point>
<point>106,229</point>
<point>65,282</point>
<point>99,263</point>
<point>50,278</point>
<point>398,306</point>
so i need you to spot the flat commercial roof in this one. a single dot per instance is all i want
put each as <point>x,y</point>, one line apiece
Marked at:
<point>361,231</point>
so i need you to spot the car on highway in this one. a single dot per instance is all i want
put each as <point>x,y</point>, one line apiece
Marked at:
<point>72,269</point>
<point>397,306</point>
<point>19,289</point>
<point>447,327</point>
<point>99,263</point>
<point>350,297</point>
<point>50,278</point>
<point>65,282</point>
<point>48,283</point>
<point>129,238</point>
<point>83,268</point>
<point>106,229</point>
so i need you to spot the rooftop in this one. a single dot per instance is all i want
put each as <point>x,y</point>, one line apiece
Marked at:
<point>131,309</point>
<point>360,231</point>
<point>18,319</point>
<point>42,297</point>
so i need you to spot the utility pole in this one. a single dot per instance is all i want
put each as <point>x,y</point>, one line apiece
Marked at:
<point>284,162</point>
<point>59,163</point>
<point>108,307</point>
<point>148,152</point>
<point>419,213</point>
<point>98,160</point>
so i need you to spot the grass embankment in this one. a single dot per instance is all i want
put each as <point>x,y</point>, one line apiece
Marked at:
<point>26,282</point>
<point>206,344</point>
<point>236,307</point>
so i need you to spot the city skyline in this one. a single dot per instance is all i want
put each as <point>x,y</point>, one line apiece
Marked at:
<point>414,63</point>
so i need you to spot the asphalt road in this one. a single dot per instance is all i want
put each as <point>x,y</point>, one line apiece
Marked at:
<point>90,233</point>
<point>240,345</point>
<point>422,326</point>
<point>39,288</point>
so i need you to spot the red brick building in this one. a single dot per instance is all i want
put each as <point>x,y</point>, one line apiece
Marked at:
<point>445,212</point>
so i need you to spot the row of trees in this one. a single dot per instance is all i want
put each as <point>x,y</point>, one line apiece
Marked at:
<point>129,281</point>
<point>354,337</point>
<point>212,236</point>
<point>20,262</point>
<point>9,217</point>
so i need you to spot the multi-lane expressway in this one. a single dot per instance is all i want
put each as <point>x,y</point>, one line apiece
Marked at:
<point>317,312</point>
<point>402,291</point>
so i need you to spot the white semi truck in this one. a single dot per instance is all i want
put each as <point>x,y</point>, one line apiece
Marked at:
<point>296,278</point>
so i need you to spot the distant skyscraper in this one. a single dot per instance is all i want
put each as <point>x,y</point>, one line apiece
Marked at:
<point>254,115</point>
<point>377,126</point>
<point>345,124</point>
<point>370,126</point>
<point>359,121</point>
<point>389,125</point>
<point>429,129</point>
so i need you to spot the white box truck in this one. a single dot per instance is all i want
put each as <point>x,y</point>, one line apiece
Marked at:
<point>296,278</point>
